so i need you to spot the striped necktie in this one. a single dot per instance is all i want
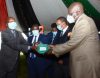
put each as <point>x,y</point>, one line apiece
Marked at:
<point>53,38</point>
<point>61,34</point>
<point>14,33</point>
<point>34,40</point>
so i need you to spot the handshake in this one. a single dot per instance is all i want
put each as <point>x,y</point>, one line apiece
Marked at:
<point>43,48</point>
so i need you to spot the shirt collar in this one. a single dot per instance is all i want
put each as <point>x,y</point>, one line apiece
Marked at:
<point>64,30</point>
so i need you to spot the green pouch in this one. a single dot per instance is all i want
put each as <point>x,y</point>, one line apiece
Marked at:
<point>42,48</point>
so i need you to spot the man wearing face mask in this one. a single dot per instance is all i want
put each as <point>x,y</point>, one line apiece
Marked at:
<point>62,63</point>
<point>37,64</point>
<point>53,36</point>
<point>84,44</point>
<point>12,43</point>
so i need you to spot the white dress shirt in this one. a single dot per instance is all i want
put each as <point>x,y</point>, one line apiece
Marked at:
<point>37,37</point>
<point>64,30</point>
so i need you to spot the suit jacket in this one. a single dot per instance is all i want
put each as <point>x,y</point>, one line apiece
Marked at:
<point>56,39</point>
<point>84,46</point>
<point>62,39</point>
<point>41,38</point>
<point>10,49</point>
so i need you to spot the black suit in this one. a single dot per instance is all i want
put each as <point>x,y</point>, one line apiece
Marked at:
<point>62,70</point>
<point>51,39</point>
<point>9,54</point>
<point>56,38</point>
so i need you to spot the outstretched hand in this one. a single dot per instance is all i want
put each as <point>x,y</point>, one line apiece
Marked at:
<point>35,46</point>
<point>52,46</point>
<point>50,51</point>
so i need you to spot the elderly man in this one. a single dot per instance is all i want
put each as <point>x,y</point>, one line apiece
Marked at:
<point>84,44</point>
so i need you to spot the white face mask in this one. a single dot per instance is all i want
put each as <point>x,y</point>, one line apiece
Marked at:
<point>12,25</point>
<point>55,32</point>
<point>70,19</point>
<point>59,27</point>
<point>35,32</point>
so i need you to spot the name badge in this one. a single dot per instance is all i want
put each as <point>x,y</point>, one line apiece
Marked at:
<point>43,49</point>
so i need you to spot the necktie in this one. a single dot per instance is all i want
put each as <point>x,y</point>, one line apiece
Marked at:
<point>53,38</point>
<point>34,40</point>
<point>61,34</point>
<point>14,33</point>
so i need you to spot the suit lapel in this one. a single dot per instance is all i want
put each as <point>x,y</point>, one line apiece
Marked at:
<point>66,32</point>
<point>39,38</point>
<point>10,33</point>
<point>77,22</point>
<point>80,18</point>
<point>33,38</point>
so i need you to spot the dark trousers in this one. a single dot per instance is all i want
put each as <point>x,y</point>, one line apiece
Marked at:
<point>50,69</point>
<point>37,67</point>
<point>10,74</point>
<point>61,71</point>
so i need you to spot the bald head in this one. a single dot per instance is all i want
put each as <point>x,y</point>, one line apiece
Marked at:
<point>76,9</point>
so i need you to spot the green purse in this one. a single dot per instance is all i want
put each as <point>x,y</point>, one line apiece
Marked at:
<point>42,48</point>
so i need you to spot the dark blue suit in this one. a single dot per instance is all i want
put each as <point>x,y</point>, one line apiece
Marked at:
<point>56,39</point>
<point>52,59</point>
<point>37,64</point>
<point>62,70</point>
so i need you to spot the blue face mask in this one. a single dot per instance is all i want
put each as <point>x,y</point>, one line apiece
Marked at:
<point>59,27</point>
<point>12,25</point>
<point>35,32</point>
<point>54,33</point>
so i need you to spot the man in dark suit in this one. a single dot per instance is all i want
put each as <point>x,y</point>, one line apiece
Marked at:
<point>52,38</point>
<point>37,63</point>
<point>12,43</point>
<point>62,63</point>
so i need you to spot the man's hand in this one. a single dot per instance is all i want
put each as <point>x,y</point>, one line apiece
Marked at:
<point>35,46</point>
<point>60,62</point>
<point>52,46</point>
<point>49,52</point>
<point>69,34</point>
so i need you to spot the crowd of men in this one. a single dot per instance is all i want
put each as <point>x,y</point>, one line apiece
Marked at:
<point>74,51</point>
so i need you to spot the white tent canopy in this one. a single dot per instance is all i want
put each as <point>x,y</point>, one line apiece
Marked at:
<point>46,16</point>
